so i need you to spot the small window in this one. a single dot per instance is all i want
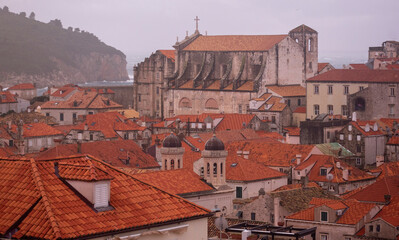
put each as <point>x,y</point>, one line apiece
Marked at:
<point>139,97</point>
<point>273,119</point>
<point>157,90</point>
<point>289,102</point>
<point>316,89</point>
<point>358,137</point>
<point>316,109</point>
<point>330,89</point>
<point>344,110</point>
<point>371,228</point>
<point>378,228</point>
<point>91,137</point>
<point>90,113</point>
<point>328,135</point>
<point>358,161</point>
<point>61,116</point>
<point>346,90</point>
<point>74,116</point>
<point>253,216</point>
<point>341,136</point>
<point>215,168</point>
<point>323,172</point>
<point>349,137</point>
<point>361,88</point>
<point>330,109</point>
<point>238,192</point>
<point>11,143</point>
<point>358,148</point>
<point>392,92</point>
<point>47,114</point>
<point>323,216</point>
<point>239,108</point>
<point>299,102</point>
<point>349,128</point>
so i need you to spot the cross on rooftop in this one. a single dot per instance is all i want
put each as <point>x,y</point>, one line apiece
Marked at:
<point>196,19</point>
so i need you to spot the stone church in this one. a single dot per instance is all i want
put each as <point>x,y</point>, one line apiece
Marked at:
<point>222,73</point>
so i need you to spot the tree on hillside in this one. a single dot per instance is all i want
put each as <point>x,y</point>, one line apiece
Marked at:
<point>32,16</point>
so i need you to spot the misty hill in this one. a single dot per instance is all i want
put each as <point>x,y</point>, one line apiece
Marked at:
<point>46,51</point>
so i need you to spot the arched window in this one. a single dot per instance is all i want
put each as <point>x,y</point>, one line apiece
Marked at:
<point>178,163</point>
<point>360,104</point>
<point>172,164</point>
<point>211,104</point>
<point>208,168</point>
<point>215,168</point>
<point>185,103</point>
<point>166,165</point>
<point>221,168</point>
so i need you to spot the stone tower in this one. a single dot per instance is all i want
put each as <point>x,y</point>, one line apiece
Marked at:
<point>172,153</point>
<point>308,39</point>
<point>214,157</point>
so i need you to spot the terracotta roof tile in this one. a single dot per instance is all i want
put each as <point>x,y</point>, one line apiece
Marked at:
<point>37,130</point>
<point>320,66</point>
<point>273,135</point>
<point>303,28</point>
<point>60,213</point>
<point>7,97</point>
<point>330,162</point>
<point>393,140</point>
<point>390,212</point>
<point>113,152</point>
<point>241,169</point>
<point>181,181</point>
<point>296,186</point>
<point>349,75</point>
<point>293,131</point>
<point>234,121</point>
<point>387,169</point>
<point>359,66</point>
<point>300,110</point>
<point>82,172</point>
<point>169,54</point>
<point>361,125</point>
<point>272,154</point>
<point>376,191</point>
<point>234,43</point>
<point>22,86</point>
<point>288,91</point>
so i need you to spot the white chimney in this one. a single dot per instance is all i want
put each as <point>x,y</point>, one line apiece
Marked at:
<point>245,234</point>
<point>338,165</point>
<point>245,154</point>
<point>367,128</point>
<point>379,160</point>
<point>298,159</point>
<point>345,174</point>
<point>354,117</point>
<point>375,127</point>
<point>276,210</point>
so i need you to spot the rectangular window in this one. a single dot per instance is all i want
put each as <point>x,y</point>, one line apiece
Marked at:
<point>371,228</point>
<point>358,137</point>
<point>341,136</point>
<point>350,137</point>
<point>344,110</point>
<point>238,192</point>
<point>391,109</point>
<point>299,102</point>
<point>378,228</point>
<point>323,172</point>
<point>30,142</point>
<point>358,161</point>
<point>316,89</point>
<point>328,135</point>
<point>323,237</point>
<point>358,148</point>
<point>91,137</point>
<point>273,119</point>
<point>392,92</point>
<point>323,216</point>
<point>316,109</point>
<point>253,216</point>
<point>157,90</point>
<point>330,89</point>
<point>208,125</point>
<point>239,108</point>
<point>139,97</point>
<point>289,102</point>
<point>346,89</point>
<point>361,88</point>
<point>61,116</point>
<point>90,113</point>
<point>47,114</point>
<point>73,115</point>
<point>330,109</point>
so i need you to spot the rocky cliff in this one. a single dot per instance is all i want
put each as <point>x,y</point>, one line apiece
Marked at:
<point>47,54</point>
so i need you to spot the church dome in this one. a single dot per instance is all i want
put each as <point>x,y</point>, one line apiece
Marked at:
<point>171,141</point>
<point>214,144</point>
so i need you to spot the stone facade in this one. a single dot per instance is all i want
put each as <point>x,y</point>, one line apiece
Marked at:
<point>389,49</point>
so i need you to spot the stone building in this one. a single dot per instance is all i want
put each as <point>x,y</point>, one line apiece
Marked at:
<point>389,49</point>
<point>148,85</point>
<point>220,74</point>
<point>24,90</point>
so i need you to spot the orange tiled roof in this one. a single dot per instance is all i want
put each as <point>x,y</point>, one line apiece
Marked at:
<point>376,191</point>
<point>7,97</point>
<point>37,130</point>
<point>288,91</point>
<point>393,66</point>
<point>272,154</point>
<point>393,140</point>
<point>63,91</point>
<point>83,172</point>
<point>293,131</point>
<point>296,186</point>
<point>273,135</point>
<point>326,161</point>
<point>300,110</point>
<point>169,54</point>
<point>112,152</point>
<point>359,66</point>
<point>390,212</point>
<point>108,123</point>
<point>349,75</point>
<point>360,125</point>
<point>320,66</point>
<point>241,169</point>
<point>82,100</point>
<point>22,86</point>
<point>58,213</point>
<point>234,121</point>
<point>181,181</point>
<point>355,211</point>
<point>387,169</point>
<point>234,43</point>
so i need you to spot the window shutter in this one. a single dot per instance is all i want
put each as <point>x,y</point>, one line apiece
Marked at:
<point>101,195</point>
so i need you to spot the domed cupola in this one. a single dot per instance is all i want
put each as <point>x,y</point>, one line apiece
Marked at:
<point>171,141</point>
<point>214,144</point>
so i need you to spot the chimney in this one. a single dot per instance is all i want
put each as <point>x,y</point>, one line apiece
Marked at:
<point>304,181</point>
<point>79,144</point>
<point>367,128</point>
<point>345,174</point>
<point>354,119</point>
<point>338,165</point>
<point>276,210</point>
<point>387,198</point>
<point>245,234</point>
<point>245,154</point>
<point>298,159</point>
<point>375,127</point>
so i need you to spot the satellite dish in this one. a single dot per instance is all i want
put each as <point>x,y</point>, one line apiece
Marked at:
<point>329,177</point>
<point>221,223</point>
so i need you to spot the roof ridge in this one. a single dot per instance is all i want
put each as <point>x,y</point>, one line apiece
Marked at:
<point>46,202</point>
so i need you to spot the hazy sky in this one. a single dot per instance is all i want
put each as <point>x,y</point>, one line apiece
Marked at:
<point>345,27</point>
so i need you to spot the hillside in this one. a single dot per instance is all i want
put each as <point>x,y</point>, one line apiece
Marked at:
<point>46,53</point>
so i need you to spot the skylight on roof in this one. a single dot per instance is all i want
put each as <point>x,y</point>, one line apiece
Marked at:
<point>234,164</point>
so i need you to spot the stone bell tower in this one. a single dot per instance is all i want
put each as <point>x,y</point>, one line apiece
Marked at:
<point>214,157</point>
<point>172,153</point>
